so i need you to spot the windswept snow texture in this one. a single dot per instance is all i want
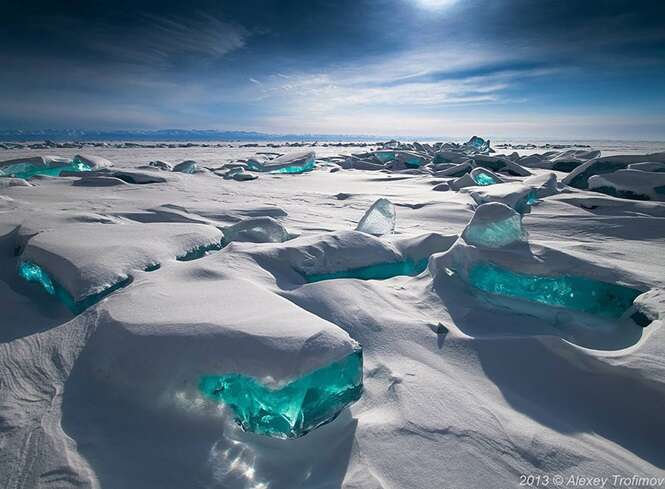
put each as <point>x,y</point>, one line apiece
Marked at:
<point>165,330</point>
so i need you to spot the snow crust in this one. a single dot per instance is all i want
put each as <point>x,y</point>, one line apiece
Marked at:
<point>462,388</point>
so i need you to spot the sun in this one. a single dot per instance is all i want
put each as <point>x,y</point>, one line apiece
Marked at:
<point>434,4</point>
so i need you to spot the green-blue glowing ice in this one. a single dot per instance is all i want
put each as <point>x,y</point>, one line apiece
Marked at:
<point>385,156</point>
<point>27,170</point>
<point>307,166</point>
<point>578,293</point>
<point>483,179</point>
<point>32,272</point>
<point>200,251</point>
<point>298,167</point>
<point>381,271</point>
<point>294,409</point>
<point>35,273</point>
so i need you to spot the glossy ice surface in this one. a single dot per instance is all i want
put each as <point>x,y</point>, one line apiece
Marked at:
<point>294,409</point>
<point>578,293</point>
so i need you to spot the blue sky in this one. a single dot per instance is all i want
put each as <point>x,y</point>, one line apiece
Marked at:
<point>502,68</point>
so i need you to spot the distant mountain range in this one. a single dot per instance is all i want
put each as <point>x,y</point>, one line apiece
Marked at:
<point>170,135</point>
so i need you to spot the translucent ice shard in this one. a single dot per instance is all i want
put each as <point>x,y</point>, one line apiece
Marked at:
<point>482,176</point>
<point>578,293</point>
<point>32,272</point>
<point>294,409</point>
<point>257,230</point>
<point>379,218</point>
<point>494,225</point>
<point>188,166</point>
<point>380,271</point>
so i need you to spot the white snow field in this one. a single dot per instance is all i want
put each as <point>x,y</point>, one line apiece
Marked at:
<point>228,324</point>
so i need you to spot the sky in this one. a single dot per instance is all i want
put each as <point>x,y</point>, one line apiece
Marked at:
<point>592,69</point>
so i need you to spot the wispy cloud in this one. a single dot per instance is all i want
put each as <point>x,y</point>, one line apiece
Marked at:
<point>415,79</point>
<point>162,41</point>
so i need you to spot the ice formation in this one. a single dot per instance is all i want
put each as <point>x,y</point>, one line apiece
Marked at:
<point>379,218</point>
<point>27,168</point>
<point>188,166</point>
<point>494,225</point>
<point>112,252</point>
<point>161,165</point>
<point>630,184</point>
<point>13,182</point>
<point>517,195</point>
<point>294,409</point>
<point>239,174</point>
<point>200,251</point>
<point>94,162</point>
<point>246,318</point>
<point>479,144</point>
<point>32,272</point>
<point>379,271</point>
<point>578,293</point>
<point>484,177</point>
<point>257,230</point>
<point>579,177</point>
<point>298,162</point>
<point>653,166</point>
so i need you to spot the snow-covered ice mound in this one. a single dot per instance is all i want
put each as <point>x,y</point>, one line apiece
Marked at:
<point>591,305</point>
<point>630,184</point>
<point>579,177</point>
<point>81,271</point>
<point>281,370</point>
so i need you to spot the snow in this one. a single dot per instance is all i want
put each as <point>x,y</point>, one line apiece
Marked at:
<point>462,386</point>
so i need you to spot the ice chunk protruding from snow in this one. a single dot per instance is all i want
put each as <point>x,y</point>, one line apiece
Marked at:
<point>34,273</point>
<point>494,225</point>
<point>579,177</point>
<point>298,162</point>
<point>239,174</point>
<point>94,162</point>
<point>189,166</point>
<point>381,271</point>
<point>31,272</point>
<point>294,409</point>
<point>578,293</point>
<point>379,219</point>
<point>484,177</point>
<point>161,165</point>
<point>27,168</point>
<point>630,184</point>
<point>652,166</point>
<point>479,144</point>
<point>257,230</point>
